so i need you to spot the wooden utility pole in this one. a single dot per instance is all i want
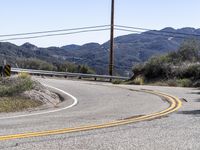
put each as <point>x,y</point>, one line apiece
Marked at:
<point>111,61</point>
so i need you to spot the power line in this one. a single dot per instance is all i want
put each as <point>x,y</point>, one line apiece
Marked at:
<point>160,31</point>
<point>137,28</point>
<point>49,35</point>
<point>153,33</point>
<point>93,29</point>
<point>53,31</point>
<point>118,27</point>
<point>128,30</point>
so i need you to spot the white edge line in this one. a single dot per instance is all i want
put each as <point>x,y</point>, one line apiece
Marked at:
<point>47,112</point>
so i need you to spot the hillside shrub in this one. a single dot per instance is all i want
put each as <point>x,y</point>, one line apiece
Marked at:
<point>184,82</point>
<point>14,86</point>
<point>180,68</point>
<point>171,82</point>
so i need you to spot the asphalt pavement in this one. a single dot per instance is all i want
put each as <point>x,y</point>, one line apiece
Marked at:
<point>102,102</point>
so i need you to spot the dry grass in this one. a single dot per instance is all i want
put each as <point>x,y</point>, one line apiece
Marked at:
<point>117,81</point>
<point>24,75</point>
<point>137,81</point>
<point>10,91</point>
<point>13,104</point>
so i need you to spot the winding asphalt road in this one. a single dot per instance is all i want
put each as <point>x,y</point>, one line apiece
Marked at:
<point>101,103</point>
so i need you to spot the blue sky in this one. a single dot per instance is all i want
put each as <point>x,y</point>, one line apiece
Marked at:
<point>18,16</point>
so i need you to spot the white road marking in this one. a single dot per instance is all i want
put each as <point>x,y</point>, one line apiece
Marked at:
<point>47,112</point>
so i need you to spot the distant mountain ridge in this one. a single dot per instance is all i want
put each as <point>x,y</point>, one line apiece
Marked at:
<point>128,50</point>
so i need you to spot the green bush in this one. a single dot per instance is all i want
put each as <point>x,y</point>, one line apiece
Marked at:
<point>189,51</point>
<point>155,68</point>
<point>33,63</point>
<point>14,86</point>
<point>190,71</point>
<point>179,68</point>
<point>138,69</point>
<point>184,82</point>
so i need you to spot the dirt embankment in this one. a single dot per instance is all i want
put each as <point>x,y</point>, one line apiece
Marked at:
<point>21,93</point>
<point>42,94</point>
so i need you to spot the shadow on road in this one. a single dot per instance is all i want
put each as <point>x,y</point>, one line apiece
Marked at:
<point>190,112</point>
<point>196,92</point>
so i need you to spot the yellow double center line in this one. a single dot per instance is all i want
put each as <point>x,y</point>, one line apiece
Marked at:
<point>175,104</point>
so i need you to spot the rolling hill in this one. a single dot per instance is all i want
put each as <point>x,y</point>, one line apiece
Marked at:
<point>129,50</point>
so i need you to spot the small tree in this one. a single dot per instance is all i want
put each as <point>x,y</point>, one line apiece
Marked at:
<point>189,50</point>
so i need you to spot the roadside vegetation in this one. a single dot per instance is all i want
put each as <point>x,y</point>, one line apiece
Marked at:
<point>180,68</point>
<point>117,81</point>
<point>33,63</point>
<point>11,90</point>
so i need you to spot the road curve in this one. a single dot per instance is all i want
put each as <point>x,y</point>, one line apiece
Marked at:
<point>111,121</point>
<point>175,104</point>
<point>75,101</point>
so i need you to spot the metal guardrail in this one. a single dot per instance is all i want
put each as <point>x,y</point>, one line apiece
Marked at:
<point>66,74</point>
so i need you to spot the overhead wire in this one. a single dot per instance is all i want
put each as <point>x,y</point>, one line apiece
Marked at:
<point>160,31</point>
<point>52,31</point>
<point>156,32</point>
<point>137,30</point>
<point>50,35</point>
